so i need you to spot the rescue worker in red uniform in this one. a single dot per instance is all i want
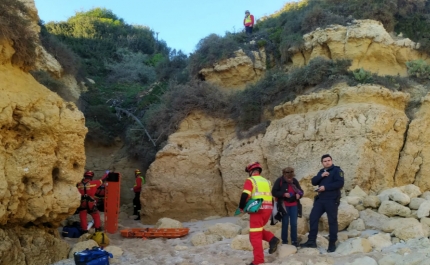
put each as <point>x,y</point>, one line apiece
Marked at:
<point>140,180</point>
<point>257,187</point>
<point>87,188</point>
<point>101,193</point>
<point>248,22</point>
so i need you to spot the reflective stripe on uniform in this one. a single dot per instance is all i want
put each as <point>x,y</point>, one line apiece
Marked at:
<point>259,229</point>
<point>262,194</point>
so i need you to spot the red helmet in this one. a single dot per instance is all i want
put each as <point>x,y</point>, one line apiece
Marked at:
<point>89,174</point>
<point>249,168</point>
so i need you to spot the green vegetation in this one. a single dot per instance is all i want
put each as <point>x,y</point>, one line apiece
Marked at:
<point>135,72</point>
<point>362,76</point>
<point>419,69</point>
<point>14,25</point>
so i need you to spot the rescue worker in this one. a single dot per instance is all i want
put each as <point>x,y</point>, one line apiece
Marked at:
<point>248,22</point>
<point>257,187</point>
<point>101,192</point>
<point>330,181</point>
<point>140,180</point>
<point>87,188</point>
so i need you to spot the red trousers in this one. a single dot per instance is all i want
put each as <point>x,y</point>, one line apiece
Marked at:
<point>257,234</point>
<point>83,217</point>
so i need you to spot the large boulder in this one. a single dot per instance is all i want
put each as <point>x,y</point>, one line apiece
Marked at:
<point>238,71</point>
<point>365,42</point>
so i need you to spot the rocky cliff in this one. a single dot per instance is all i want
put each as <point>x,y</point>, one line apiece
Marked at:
<point>200,171</point>
<point>47,62</point>
<point>42,158</point>
<point>365,42</point>
<point>236,72</point>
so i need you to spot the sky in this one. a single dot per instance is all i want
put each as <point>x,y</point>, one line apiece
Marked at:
<point>180,23</point>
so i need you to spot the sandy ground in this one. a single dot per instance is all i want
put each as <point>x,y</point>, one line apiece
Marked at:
<point>180,251</point>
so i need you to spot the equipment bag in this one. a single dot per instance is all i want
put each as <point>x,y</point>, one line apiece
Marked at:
<point>253,205</point>
<point>73,231</point>
<point>101,238</point>
<point>94,256</point>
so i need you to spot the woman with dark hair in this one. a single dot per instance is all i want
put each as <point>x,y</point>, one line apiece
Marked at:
<point>287,190</point>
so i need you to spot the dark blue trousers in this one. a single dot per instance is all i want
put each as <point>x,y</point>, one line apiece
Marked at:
<point>289,218</point>
<point>320,207</point>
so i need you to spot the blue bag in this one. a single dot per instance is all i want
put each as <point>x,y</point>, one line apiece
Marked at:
<point>94,256</point>
<point>73,231</point>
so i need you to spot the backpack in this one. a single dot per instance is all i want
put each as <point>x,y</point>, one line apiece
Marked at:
<point>73,231</point>
<point>94,256</point>
<point>101,238</point>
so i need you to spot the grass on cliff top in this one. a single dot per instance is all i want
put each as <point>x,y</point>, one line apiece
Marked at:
<point>283,30</point>
<point>14,27</point>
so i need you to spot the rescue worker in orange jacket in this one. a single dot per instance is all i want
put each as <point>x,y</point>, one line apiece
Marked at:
<point>140,180</point>
<point>257,187</point>
<point>248,22</point>
<point>87,188</point>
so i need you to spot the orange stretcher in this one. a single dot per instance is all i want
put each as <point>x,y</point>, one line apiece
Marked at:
<point>155,232</point>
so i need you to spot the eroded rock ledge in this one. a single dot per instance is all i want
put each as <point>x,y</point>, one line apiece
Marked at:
<point>200,171</point>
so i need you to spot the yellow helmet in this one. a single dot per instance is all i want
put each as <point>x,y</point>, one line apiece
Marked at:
<point>101,239</point>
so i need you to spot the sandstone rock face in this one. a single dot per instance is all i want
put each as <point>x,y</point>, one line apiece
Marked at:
<point>238,71</point>
<point>200,170</point>
<point>115,158</point>
<point>185,181</point>
<point>31,246</point>
<point>42,151</point>
<point>42,157</point>
<point>47,62</point>
<point>365,42</point>
<point>414,164</point>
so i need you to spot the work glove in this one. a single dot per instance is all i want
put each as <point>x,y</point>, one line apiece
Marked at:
<point>237,212</point>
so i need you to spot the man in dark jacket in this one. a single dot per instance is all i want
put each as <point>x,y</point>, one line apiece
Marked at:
<point>287,191</point>
<point>330,181</point>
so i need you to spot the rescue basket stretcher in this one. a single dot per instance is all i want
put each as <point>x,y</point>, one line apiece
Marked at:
<point>155,232</point>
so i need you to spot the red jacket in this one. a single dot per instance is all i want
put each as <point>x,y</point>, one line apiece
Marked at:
<point>140,180</point>
<point>89,187</point>
<point>249,24</point>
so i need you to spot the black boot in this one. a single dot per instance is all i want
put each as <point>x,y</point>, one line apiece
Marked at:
<point>295,243</point>
<point>309,244</point>
<point>331,246</point>
<point>273,244</point>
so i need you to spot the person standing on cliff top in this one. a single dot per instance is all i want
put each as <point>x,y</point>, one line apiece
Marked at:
<point>248,22</point>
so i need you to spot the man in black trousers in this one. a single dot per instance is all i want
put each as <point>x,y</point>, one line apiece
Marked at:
<point>330,181</point>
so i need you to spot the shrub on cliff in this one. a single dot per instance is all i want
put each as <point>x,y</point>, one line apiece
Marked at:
<point>70,62</point>
<point>53,84</point>
<point>278,86</point>
<point>16,27</point>
<point>419,69</point>
<point>178,101</point>
<point>211,49</point>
